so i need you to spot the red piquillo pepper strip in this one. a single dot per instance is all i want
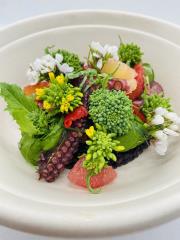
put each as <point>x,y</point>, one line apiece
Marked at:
<point>78,113</point>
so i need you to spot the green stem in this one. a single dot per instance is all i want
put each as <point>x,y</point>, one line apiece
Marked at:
<point>120,40</point>
<point>88,184</point>
<point>83,82</point>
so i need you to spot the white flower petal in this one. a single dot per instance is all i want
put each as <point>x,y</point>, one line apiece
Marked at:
<point>177,121</point>
<point>98,47</point>
<point>99,63</point>
<point>116,57</point>
<point>59,57</point>
<point>160,135</point>
<point>48,63</point>
<point>58,66</point>
<point>170,132</point>
<point>65,68</point>
<point>33,76</point>
<point>173,127</point>
<point>37,65</point>
<point>157,120</point>
<point>171,116</point>
<point>161,147</point>
<point>112,50</point>
<point>160,111</point>
<point>106,47</point>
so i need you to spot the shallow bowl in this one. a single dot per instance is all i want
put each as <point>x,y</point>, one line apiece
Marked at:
<point>146,192</point>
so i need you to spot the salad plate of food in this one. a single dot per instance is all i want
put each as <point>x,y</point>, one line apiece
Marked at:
<point>93,135</point>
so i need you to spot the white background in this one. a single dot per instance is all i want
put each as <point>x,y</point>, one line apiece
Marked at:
<point>13,10</point>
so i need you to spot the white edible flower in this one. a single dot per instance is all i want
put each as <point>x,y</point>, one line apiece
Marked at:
<point>162,116</point>
<point>59,58</point>
<point>116,57</point>
<point>170,132</point>
<point>48,63</point>
<point>65,68</point>
<point>37,65</point>
<point>174,127</point>
<point>97,47</point>
<point>173,117</point>
<point>161,111</point>
<point>113,50</point>
<point>33,76</point>
<point>99,63</point>
<point>157,120</point>
<point>160,135</point>
<point>161,147</point>
<point>107,49</point>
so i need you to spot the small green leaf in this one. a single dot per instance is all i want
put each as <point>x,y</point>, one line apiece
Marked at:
<point>149,72</point>
<point>136,136</point>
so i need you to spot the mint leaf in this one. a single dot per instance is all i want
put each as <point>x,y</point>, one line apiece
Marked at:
<point>19,106</point>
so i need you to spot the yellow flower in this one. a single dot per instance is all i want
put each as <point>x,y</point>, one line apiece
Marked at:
<point>39,93</point>
<point>64,105</point>
<point>60,79</point>
<point>51,76</point>
<point>119,148</point>
<point>46,105</point>
<point>90,132</point>
<point>70,98</point>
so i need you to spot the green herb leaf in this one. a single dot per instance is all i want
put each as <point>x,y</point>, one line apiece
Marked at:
<point>148,72</point>
<point>31,146</point>
<point>136,136</point>
<point>53,137</point>
<point>19,106</point>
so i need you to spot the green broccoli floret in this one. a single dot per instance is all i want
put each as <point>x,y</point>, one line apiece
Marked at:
<point>151,102</point>
<point>112,110</point>
<point>70,58</point>
<point>130,53</point>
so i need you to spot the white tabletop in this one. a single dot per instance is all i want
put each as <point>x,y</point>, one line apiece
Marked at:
<point>13,10</point>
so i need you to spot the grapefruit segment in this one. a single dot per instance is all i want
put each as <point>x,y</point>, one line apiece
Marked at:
<point>78,174</point>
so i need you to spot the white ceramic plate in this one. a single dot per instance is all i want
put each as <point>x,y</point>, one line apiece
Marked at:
<point>146,192</point>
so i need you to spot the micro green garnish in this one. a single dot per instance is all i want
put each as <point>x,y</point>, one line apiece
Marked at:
<point>93,77</point>
<point>151,102</point>
<point>130,53</point>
